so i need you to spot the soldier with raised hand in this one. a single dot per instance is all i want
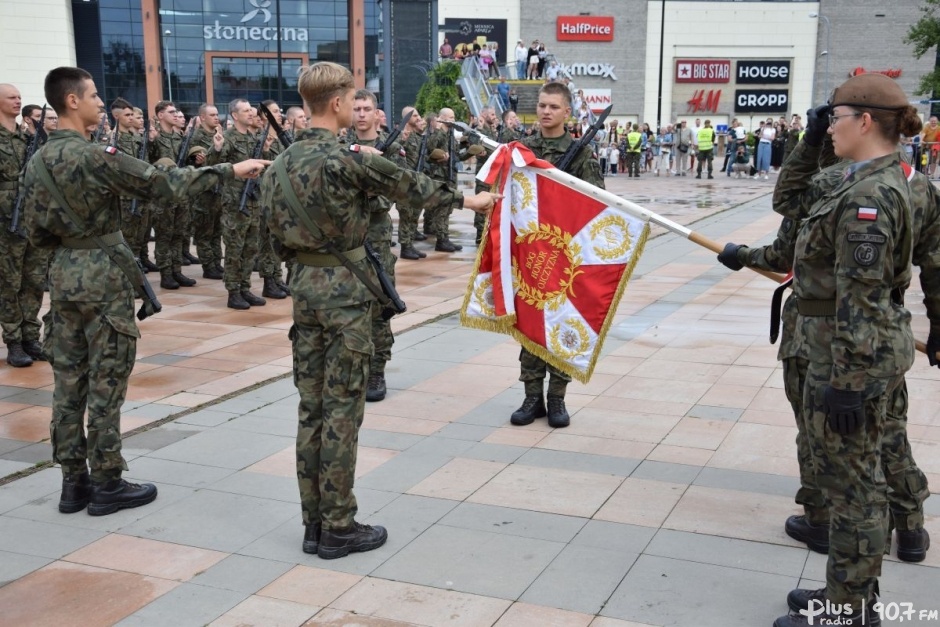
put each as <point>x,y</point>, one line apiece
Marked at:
<point>439,146</point>
<point>136,229</point>
<point>269,264</point>
<point>315,199</point>
<point>22,266</point>
<point>207,208</point>
<point>72,208</point>
<point>295,121</point>
<point>411,138</point>
<point>551,143</point>
<point>509,129</point>
<point>476,149</point>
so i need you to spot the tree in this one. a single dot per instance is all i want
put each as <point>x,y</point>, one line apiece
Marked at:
<point>440,90</point>
<point>925,35</point>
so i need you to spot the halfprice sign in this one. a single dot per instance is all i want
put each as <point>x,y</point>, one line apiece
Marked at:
<point>584,28</point>
<point>703,70</point>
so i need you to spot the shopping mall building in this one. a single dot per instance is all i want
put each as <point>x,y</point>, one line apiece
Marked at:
<point>651,59</point>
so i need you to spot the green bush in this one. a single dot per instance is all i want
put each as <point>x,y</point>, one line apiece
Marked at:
<point>440,90</point>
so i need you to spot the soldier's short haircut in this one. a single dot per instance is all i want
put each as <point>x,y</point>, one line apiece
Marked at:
<point>506,114</point>
<point>293,112</point>
<point>63,81</point>
<point>555,89</point>
<point>162,106</point>
<point>321,82</point>
<point>203,107</point>
<point>27,110</point>
<point>120,103</point>
<point>138,111</point>
<point>267,103</point>
<point>365,94</point>
<point>233,106</point>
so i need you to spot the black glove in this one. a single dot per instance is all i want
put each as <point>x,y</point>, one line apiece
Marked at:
<point>729,256</point>
<point>933,347</point>
<point>817,123</point>
<point>845,410</point>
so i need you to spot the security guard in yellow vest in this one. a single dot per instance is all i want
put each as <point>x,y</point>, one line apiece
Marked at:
<point>634,142</point>
<point>706,148</point>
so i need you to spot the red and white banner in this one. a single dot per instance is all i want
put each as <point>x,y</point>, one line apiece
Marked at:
<point>553,264</point>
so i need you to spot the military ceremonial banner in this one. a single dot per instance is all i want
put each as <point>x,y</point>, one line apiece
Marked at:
<point>553,264</point>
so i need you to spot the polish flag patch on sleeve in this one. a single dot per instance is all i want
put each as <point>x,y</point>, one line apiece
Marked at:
<point>111,150</point>
<point>867,213</point>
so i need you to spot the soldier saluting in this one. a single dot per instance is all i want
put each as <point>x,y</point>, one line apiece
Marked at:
<point>73,190</point>
<point>316,201</point>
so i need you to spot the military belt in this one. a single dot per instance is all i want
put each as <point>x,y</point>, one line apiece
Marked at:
<point>809,307</point>
<point>89,243</point>
<point>329,260</point>
<point>7,185</point>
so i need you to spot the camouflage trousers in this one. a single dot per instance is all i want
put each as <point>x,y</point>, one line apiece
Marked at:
<point>269,265</point>
<point>240,236</point>
<point>850,473</point>
<point>207,231</point>
<point>633,164</point>
<point>331,349</point>
<point>407,224</point>
<point>479,219</point>
<point>810,496</point>
<point>23,269</point>
<point>137,228</point>
<point>532,374</point>
<point>382,336</point>
<point>92,347</point>
<point>172,226</point>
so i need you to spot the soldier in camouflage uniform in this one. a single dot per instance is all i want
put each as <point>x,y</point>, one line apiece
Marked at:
<point>240,231</point>
<point>90,333</point>
<point>22,265</point>
<point>852,263</point>
<point>269,265</point>
<point>323,202</point>
<point>551,143</point>
<point>411,139</point>
<point>207,208</point>
<point>440,144</point>
<point>488,128</point>
<point>136,229</point>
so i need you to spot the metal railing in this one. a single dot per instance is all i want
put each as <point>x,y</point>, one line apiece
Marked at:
<point>476,89</point>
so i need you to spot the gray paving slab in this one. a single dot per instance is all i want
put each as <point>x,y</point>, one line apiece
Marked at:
<point>178,473</point>
<point>387,439</point>
<point>285,409</point>
<point>283,544</point>
<point>35,486</point>
<point>744,481</point>
<point>185,605</point>
<point>260,485</point>
<point>665,471</point>
<point>443,353</point>
<point>156,411</point>
<point>371,501</point>
<point>460,431</point>
<point>415,507</point>
<point>224,448</point>
<point>932,506</point>
<point>28,537</point>
<point>581,462</point>
<point>158,438</point>
<point>402,472</point>
<point>163,359</point>
<point>16,565</point>
<point>254,423</point>
<point>439,445</point>
<point>707,412</point>
<point>912,583</point>
<point>495,452</point>
<point>214,520</point>
<point>670,592</point>
<point>241,404</point>
<point>495,412</point>
<point>514,522</point>
<point>6,391</point>
<point>241,573</point>
<point>8,467</point>
<point>417,335</point>
<point>7,445</point>
<point>739,554</point>
<point>580,579</point>
<point>43,398</point>
<point>468,560</point>
<point>615,537</point>
<point>30,454</point>
<point>402,373</point>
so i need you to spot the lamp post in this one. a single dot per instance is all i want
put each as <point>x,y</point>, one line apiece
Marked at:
<point>166,64</point>
<point>662,41</point>
<point>827,51</point>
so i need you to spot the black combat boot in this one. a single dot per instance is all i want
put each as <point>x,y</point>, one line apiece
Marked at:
<point>312,538</point>
<point>191,258</point>
<point>251,299</point>
<point>376,389</point>
<point>557,414</point>
<point>816,537</point>
<point>76,490</point>
<point>271,290</point>
<point>237,301</point>
<point>410,252</point>
<point>284,286</point>
<point>913,544</point>
<point>799,599</point>
<point>148,265</point>
<point>167,281</point>
<point>34,350</point>
<point>419,236</point>
<point>532,407</point>
<point>183,280</point>
<point>355,539</point>
<point>444,245</point>
<point>108,497</point>
<point>16,357</point>
<point>212,272</point>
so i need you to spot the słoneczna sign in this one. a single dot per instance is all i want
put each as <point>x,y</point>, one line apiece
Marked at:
<point>761,100</point>
<point>604,70</point>
<point>763,72</point>
<point>255,33</point>
<point>584,28</point>
<point>703,70</point>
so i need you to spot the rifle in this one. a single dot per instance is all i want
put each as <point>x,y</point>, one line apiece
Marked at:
<point>390,139</point>
<point>21,191</point>
<point>395,304</point>
<point>422,152</point>
<point>249,190</point>
<point>282,135</point>
<point>184,147</point>
<point>96,138</point>
<point>142,155</point>
<point>451,155</point>
<point>575,148</point>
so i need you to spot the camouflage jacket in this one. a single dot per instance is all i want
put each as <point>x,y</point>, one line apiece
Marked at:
<point>584,166</point>
<point>165,146</point>
<point>481,158</point>
<point>380,223</point>
<point>93,179</point>
<point>853,249</point>
<point>236,147</point>
<point>338,180</point>
<point>440,140</point>
<point>12,153</point>
<point>129,143</point>
<point>506,135</point>
<point>412,146</point>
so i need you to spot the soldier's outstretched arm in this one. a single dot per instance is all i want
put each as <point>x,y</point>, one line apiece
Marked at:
<point>774,257</point>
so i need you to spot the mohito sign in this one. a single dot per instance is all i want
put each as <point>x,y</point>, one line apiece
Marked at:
<point>584,28</point>
<point>763,72</point>
<point>597,99</point>
<point>761,101</point>
<point>703,70</point>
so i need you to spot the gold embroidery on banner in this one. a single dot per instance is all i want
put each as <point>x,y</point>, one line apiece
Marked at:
<point>540,266</point>
<point>522,193</point>
<point>569,340</point>
<point>614,232</point>
<point>484,297</point>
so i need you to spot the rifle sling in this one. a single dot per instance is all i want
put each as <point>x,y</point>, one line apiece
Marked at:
<point>280,171</point>
<point>128,267</point>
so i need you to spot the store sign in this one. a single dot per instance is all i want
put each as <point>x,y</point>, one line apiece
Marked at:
<point>259,13</point>
<point>597,99</point>
<point>603,70</point>
<point>703,101</point>
<point>893,73</point>
<point>584,28</point>
<point>703,70</point>
<point>763,72</point>
<point>761,100</point>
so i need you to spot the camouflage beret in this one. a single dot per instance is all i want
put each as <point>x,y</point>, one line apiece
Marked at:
<point>195,150</point>
<point>476,150</point>
<point>165,163</point>
<point>436,155</point>
<point>874,91</point>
